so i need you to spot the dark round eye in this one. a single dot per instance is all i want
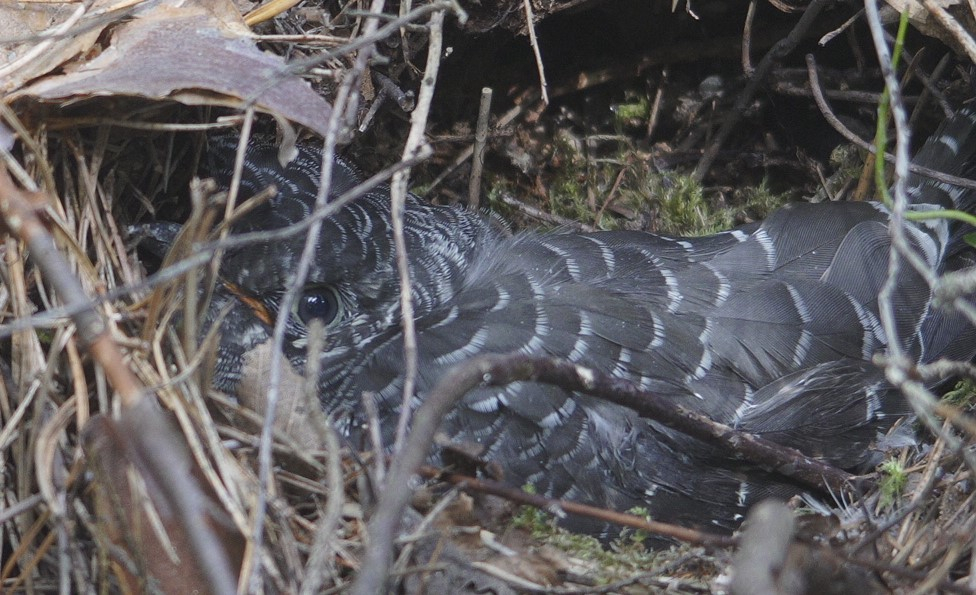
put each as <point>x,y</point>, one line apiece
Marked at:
<point>320,303</point>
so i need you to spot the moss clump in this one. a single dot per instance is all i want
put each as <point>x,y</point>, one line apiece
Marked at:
<point>847,162</point>
<point>608,183</point>
<point>532,519</point>
<point>757,202</point>
<point>894,478</point>
<point>684,209</point>
<point>598,190</point>
<point>624,556</point>
<point>633,112</point>
<point>962,395</point>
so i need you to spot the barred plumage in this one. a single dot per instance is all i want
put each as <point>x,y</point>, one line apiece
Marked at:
<point>769,328</point>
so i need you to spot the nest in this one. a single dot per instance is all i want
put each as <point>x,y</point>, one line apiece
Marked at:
<point>124,472</point>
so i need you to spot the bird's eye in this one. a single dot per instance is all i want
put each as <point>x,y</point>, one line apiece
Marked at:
<point>320,303</point>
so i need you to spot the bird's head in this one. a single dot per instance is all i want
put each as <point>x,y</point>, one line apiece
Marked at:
<point>352,287</point>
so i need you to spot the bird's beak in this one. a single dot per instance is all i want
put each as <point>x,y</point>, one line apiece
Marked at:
<point>261,311</point>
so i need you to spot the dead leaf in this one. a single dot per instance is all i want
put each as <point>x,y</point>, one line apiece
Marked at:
<point>143,521</point>
<point>195,53</point>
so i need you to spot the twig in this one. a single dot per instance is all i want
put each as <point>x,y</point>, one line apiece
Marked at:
<point>468,151</point>
<point>421,528</point>
<point>386,89</point>
<point>652,118</point>
<point>494,488</point>
<point>396,491</point>
<point>782,459</point>
<point>370,36</point>
<point>898,370</point>
<point>20,507</point>
<point>45,39</point>
<point>268,11</point>
<point>958,32</point>
<point>944,369</point>
<point>865,97</point>
<point>497,370</point>
<point>406,462</point>
<point>530,26</point>
<point>373,35</point>
<point>203,254</point>
<point>747,68</point>
<point>413,148</point>
<point>320,565</point>
<point>480,141</point>
<point>543,216</point>
<point>19,212</point>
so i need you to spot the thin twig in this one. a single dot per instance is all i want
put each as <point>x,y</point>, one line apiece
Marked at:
<point>413,148</point>
<point>407,461</point>
<point>622,519</point>
<point>20,507</point>
<point>747,67</point>
<point>543,216</point>
<point>898,370</point>
<point>203,254</point>
<point>497,370</point>
<point>480,142</point>
<point>960,34</point>
<point>782,459</point>
<point>382,526</point>
<point>371,36</point>
<point>468,151</point>
<point>530,27</point>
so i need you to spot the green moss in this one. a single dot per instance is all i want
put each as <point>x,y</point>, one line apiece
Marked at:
<point>632,113</point>
<point>45,336</point>
<point>621,189</point>
<point>624,556</point>
<point>962,394</point>
<point>568,190</point>
<point>847,162</point>
<point>580,190</point>
<point>759,201</point>
<point>531,519</point>
<point>684,209</point>
<point>894,478</point>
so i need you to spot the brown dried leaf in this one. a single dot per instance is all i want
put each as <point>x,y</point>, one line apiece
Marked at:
<point>294,415</point>
<point>33,37</point>
<point>142,520</point>
<point>197,54</point>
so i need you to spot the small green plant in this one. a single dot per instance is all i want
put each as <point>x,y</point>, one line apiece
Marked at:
<point>633,112</point>
<point>532,519</point>
<point>962,394</point>
<point>604,191</point>
<point>685,210</point>
<point>630,538</point>
<point>759,201</point>
<point>894,478</point>
<point>625,555</point>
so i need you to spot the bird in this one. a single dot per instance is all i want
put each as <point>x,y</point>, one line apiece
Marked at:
<point>769,328</point>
